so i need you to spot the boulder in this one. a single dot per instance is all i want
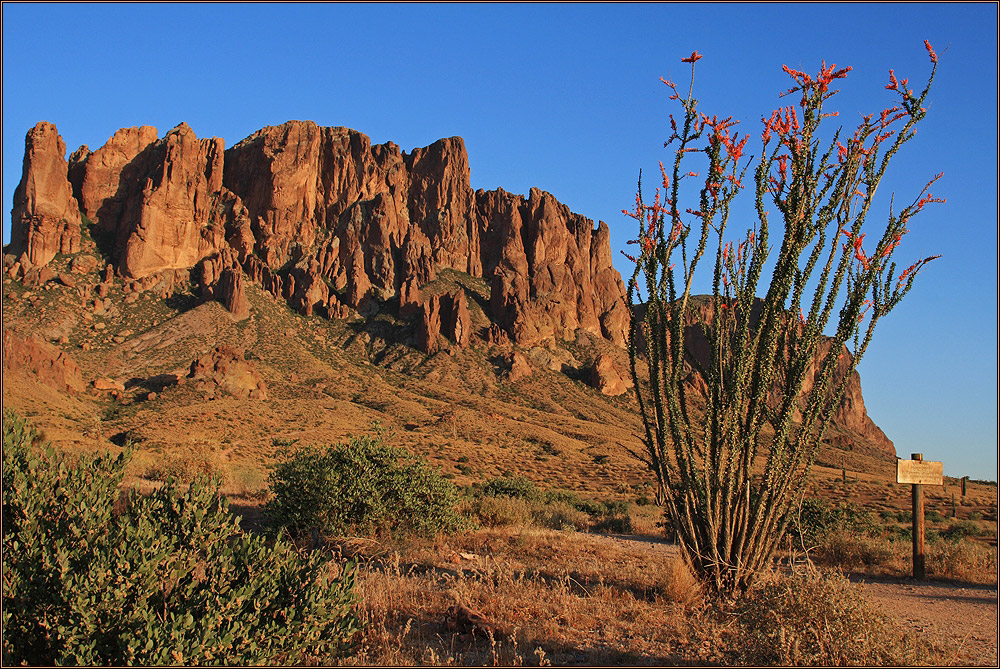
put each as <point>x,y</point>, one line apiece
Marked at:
<point>83,264</point>
<point>607,378</point>
<point>519,367</point>
<point>103,383</point>
<point>226,369</point>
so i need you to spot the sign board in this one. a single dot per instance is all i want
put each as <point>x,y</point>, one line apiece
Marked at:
<point>920,471</point>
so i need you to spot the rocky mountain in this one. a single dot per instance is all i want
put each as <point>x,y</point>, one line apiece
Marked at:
<point>321,218</point>
<point>137,261</point>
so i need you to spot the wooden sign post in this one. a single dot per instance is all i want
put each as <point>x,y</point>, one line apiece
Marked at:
<point>919,473</point>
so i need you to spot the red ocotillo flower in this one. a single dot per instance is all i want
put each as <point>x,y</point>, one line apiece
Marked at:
<point>694,57</point>
<point>927,45</point>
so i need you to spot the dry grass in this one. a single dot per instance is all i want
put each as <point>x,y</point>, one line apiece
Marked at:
<point>563,608</point>
<point>572,598</point>
<point>965,560</point>
<point>820,619</point>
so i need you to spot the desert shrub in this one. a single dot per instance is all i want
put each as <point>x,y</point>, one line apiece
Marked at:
<point>501,511</point>
<point>559,516</point>
<point>816,518</point>
<point>846,549</point>
<point>613,524</point>
<point>511,486</point>
<point>963,560</point>
<point>933,516</point>
<point>98,576</point>
<point>814,619</point>
<point>963,528</point>
<point>362,486</point>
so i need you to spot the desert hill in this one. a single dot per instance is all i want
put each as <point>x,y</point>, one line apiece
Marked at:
<point>214,305</point>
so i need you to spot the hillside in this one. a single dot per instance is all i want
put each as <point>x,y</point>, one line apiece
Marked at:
<point>346,283</point>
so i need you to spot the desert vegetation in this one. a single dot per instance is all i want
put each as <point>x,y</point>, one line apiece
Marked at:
<point>504,571</point>
<point>100,575</point>
<point>766,362</point>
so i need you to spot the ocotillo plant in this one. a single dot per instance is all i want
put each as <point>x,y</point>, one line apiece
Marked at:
<point>728,483</point>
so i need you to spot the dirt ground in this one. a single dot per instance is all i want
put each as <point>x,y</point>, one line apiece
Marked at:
<point>964,614</point>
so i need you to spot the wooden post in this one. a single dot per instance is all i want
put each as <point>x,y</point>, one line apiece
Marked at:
<point>843,470</point>
<point>919,569</point>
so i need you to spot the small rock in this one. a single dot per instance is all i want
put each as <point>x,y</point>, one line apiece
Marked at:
<point>118,339</point>
<point>103,383</point>
<point>83,264</point>
<point>66,280</point>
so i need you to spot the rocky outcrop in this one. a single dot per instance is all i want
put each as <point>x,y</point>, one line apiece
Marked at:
<point>337,226</point>
<point>519,367</point>
<point>429,326</point>
<point>553,272</point>
<point>607,378</point>
<point>232,293</point>
<point>50,365</point>
<point>45,219</point>
<point>448,315</point>
<point>225,369</point>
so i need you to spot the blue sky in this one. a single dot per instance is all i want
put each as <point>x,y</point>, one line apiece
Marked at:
<point>567,98</point>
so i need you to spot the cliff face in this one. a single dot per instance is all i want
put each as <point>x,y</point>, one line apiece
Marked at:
<point>324,219</point>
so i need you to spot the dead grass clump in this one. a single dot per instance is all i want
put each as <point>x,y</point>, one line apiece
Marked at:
<point>818,619</point>
<point>183,467</point>
<point>500,511</point>
<point>559,516</point>
<point>679,585</point>
<point>963,560</point>
<point>848,550</point>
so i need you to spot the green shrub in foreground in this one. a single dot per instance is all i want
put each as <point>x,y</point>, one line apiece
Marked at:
<point>362,486</point>
<point>95,576</point>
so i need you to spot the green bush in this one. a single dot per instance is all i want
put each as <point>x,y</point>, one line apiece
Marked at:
<point>98,576</point>
<point>362,486</point>
<point>962,528</point>
<point>933,516</point>
<point>517,487</point>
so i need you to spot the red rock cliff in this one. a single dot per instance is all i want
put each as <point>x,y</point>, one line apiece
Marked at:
<point>326,220</point>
